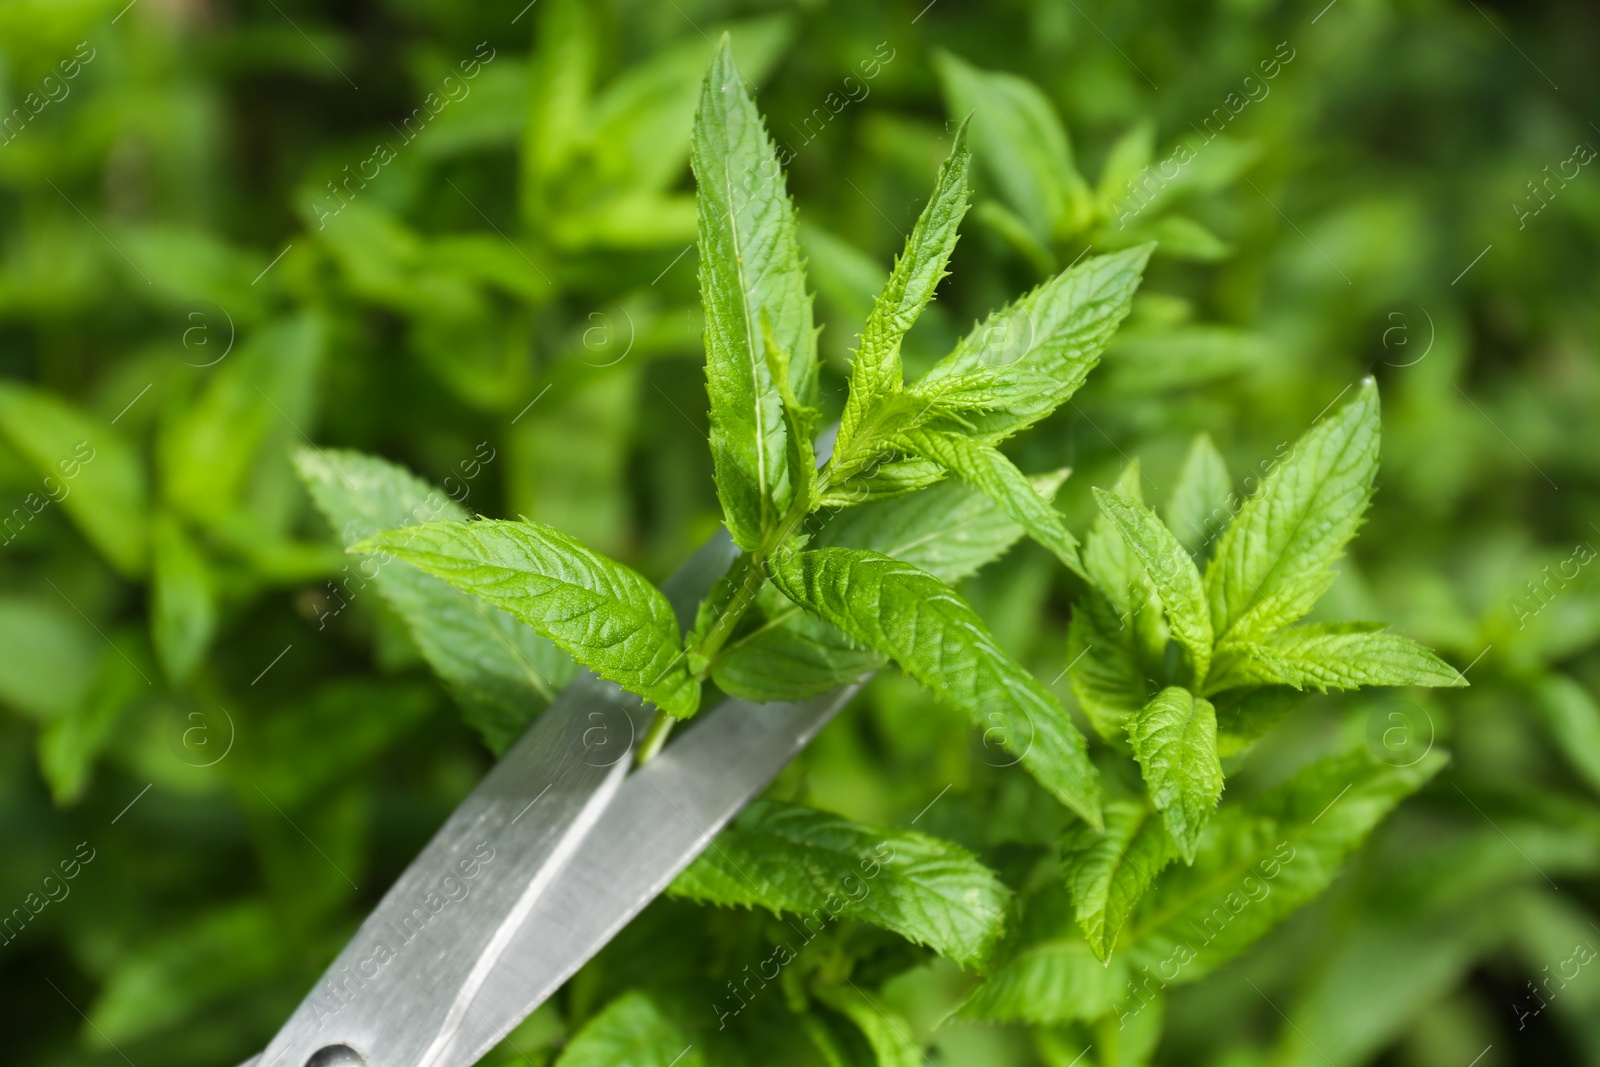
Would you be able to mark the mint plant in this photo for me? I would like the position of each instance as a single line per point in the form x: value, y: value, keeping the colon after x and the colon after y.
x: 845, y: 602
x: 1184, y: 647
x: 507, y: 307
x: 1243, y: 661
x: 1044, y: 205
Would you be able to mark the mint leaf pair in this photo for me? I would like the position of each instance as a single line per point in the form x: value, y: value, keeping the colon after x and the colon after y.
x: 1043, y: 202
x: 1272, y: 562
x: 1012, y: 370
x: 1275, y: 559
x: 1242, y: 655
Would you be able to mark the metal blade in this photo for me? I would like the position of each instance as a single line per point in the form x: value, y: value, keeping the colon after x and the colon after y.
x: 469, y: 889
x: 406, y: 983
x: 665, y: 815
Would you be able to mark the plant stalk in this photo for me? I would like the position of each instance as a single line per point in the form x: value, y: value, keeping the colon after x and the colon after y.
x: 749, y: 585
x: 655, y: 738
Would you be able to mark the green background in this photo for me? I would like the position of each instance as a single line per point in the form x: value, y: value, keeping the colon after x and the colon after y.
x: 174, y: 274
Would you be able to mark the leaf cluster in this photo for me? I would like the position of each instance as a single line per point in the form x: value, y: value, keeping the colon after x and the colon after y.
x: 848, y: 563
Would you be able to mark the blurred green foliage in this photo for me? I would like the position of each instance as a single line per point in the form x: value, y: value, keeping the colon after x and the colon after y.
x: 460, y: 236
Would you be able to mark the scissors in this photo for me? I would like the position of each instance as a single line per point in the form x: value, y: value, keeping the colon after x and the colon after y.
x: 559, y: 846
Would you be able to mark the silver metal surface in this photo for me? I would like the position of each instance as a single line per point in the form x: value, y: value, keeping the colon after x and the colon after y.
x: 422, y: 955
x: 664, y: 815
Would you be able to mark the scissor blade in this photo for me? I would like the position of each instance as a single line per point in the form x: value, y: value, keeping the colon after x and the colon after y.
x: 469, y: 888
x: 410, y: 978
x: 661, y: 818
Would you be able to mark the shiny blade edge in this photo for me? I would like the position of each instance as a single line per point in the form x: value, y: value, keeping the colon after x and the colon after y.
x: 665, y: 814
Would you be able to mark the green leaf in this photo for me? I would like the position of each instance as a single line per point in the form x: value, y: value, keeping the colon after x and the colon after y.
x: 536, y: 1038
x: 1171, y: 570
x: 1573, y: 720
x: 1103, y: 665
x: 634, y: 1031
x: 499, y: 670
x: 1010, y: 388
x: 612, y: 188
x: 1010, y: 228
x: 749, y: 266
x: 951, y: 530
x: 1128, y: 156
x: 583, y: 491
x: 223, y: 457
x: 1183, y: 238
x: 187, y: 263
x: 823, y: 867
x: 799, y: 425
x: 603, y: 614
x: 1244, y: 716
x: 1048, y: 975
x: 835, y: 1039
x: 85, y: 466
x: 1383, y: 980
x: 919, y: 622
x: 309, y: 746
x: 790, y: 656
x: 1338, y: 656
x: 875, y: 368
x: 1108, y: 872
x: 1130, y: 1039
x: 882, y: 479
x: 1174, y: 738
x: 643, y: 120
x: 70, y: 743
x: 1114, y: 568
x: 1116, y: 638
x: 188, y: 965
x: 492, y: 116
x: 886, y: 1031
x: 990, y: 471
x: 1265, y: 858
x: 51, y: 651
x: 561, y: 78
x: 1052, y: 982
x: 1275, y: 559
x: 1198, y: 509
x: 183, y: 609
x: 381, y: 258
x: 1020, y: 139
x: 1055, y: 333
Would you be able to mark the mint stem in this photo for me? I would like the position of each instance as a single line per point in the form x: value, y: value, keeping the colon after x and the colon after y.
x: 655, y: 737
